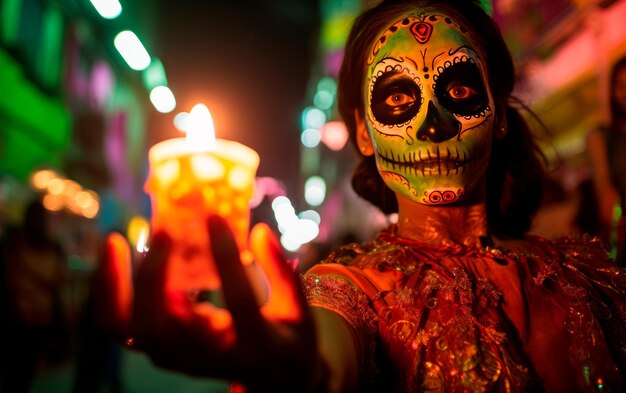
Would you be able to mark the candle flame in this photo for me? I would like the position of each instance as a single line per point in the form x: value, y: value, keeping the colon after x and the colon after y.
x: 200, y: 130
x: 142, y: 240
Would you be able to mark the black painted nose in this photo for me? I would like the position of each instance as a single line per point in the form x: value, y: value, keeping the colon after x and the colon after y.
x: 438, y: 127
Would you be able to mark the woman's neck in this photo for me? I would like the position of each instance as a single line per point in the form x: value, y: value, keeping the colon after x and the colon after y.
x: 443, y: 225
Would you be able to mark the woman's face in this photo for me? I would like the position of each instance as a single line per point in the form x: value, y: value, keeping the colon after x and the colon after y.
x: 430, y: 114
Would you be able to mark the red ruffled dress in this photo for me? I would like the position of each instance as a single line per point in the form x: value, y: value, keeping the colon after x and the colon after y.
x: 465, y: 319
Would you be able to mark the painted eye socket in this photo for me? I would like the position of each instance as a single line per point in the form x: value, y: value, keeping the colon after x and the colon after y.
x: 461, y: 90
x: 399, y: 99
x: 457, y: 91
x: 396, y: 98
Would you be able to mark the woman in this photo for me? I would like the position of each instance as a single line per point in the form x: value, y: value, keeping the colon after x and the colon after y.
x: 454, y: 297
x: 606, y: 147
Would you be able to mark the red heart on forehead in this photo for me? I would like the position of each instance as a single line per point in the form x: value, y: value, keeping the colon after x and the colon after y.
x: 421, y: 31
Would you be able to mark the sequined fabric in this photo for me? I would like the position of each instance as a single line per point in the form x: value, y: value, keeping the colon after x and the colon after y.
x: 337, y: 294
x: 550, y: 316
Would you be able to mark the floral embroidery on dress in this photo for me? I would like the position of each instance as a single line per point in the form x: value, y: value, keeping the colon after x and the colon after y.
x: 442, y: 325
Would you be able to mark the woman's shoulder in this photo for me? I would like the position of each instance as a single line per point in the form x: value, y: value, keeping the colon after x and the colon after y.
x: 564, y: 252
x: 355, y: 263
x: 577, y: 247
x: 565, y: 248
x: 573, y: 264
x: 387, y: 261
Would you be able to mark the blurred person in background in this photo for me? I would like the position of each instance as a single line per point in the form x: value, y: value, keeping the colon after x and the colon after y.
x: 606, y: 148
x: 34, y: 320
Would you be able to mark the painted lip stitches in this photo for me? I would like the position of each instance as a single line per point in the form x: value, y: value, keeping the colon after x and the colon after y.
x: 427, y: 164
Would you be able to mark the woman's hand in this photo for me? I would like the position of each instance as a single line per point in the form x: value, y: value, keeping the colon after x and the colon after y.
x: 268, y: 348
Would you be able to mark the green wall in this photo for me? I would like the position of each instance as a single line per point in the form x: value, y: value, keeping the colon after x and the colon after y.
x: 34, y: 128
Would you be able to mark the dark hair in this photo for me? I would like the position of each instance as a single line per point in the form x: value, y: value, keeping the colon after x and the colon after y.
x: 515, y: 173
x: 617, y: 113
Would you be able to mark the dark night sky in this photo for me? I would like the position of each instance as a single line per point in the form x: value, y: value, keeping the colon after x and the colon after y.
x: 249, y: 62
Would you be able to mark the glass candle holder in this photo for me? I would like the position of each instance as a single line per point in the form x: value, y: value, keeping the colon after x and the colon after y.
x: 185, y: 188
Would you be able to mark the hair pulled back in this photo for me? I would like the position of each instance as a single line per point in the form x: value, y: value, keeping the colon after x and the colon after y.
x: 515, y: 173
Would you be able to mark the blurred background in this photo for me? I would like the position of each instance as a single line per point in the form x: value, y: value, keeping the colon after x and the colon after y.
x: 87, y: 87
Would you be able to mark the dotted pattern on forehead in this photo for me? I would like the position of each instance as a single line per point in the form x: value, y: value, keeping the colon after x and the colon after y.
x: 419, y: 26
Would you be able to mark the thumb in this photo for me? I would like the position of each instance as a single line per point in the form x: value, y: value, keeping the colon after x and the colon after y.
x: 286, y: 300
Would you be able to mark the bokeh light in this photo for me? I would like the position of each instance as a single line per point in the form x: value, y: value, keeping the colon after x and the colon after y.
x: 334, y: 135
x: 60, y: 193
x: 315, y: 190
x: 108, y: 9
x: 163, y: 99
x: 311, y: 137
x: 132, y: 50
x: 313, y: 118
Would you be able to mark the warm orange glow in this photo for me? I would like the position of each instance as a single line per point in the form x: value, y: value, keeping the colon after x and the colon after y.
x: 92, y: 210
x: 61, y: 193
x: 93, y: 206
x: 52, y: 202
x: 72, y: 205
x: 282, y: 285
x: 239, y: 179
x: 116, y: 297
x: 55, y: 186
x: 83, y: 199
x: 168, y: 171
x: 220, y: 319
x: 137, y: 232
x: 70, y: 188
x: 207, y: 167
x: 192, y: 178
x: 40, y: 179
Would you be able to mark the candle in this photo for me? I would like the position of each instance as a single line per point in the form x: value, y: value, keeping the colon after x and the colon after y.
x: 191, y: 178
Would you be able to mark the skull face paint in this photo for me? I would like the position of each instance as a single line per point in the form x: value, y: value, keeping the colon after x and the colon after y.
x: 429, y: 109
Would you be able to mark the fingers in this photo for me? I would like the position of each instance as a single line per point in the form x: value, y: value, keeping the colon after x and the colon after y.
x: 285, y: 299
x: 113, y: 285
x: 238, y: 293
x: 154, y: 301
x: 174, y: 331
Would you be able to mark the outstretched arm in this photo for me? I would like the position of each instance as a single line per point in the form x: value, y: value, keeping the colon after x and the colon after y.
x: 281, y: 346
x: 337, y: 348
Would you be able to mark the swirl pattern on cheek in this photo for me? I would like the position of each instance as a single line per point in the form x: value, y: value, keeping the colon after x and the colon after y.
x: 399, y: 179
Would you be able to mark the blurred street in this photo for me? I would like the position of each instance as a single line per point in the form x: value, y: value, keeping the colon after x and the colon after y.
x: 137, y: 374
